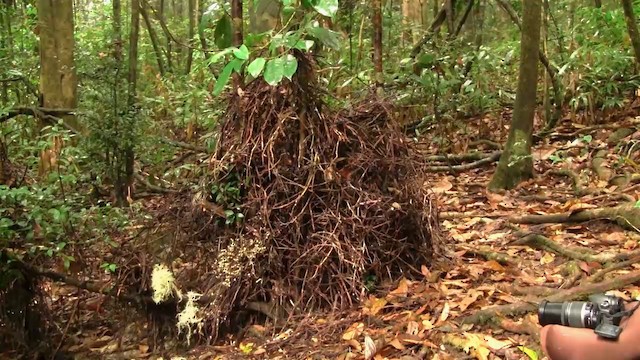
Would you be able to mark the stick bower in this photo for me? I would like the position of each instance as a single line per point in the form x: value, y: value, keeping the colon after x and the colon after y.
x: 303, y: 207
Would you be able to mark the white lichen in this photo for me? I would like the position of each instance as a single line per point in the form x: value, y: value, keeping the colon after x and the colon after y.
x: 162, y: 283
x: 188, y: 318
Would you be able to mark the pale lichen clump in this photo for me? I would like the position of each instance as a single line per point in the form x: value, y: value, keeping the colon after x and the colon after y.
x: 188, y: 318
x: 237, y: 257
x: 162, y: 283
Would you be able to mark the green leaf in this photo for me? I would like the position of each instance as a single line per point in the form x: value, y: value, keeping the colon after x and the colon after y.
x: 637, y: 205
x: 242, y: 53
x: 326, y: 37
x: 112, y: 267
x: 256, y: 66
x: 274, y: 71
x: 290, y: 65
x: 304, y: 45
x: 532, y: 354
x: 217, y: 56
x: 327, y: 8
x: 223, y: 79
x: 224, y: 32
x: 228, y: 213
x: 55, y: 214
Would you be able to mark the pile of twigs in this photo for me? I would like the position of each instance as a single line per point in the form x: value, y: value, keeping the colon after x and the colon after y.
x: 327, y: 202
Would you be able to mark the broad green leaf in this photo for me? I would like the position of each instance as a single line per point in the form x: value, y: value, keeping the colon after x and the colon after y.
x: 326, y: 7
x: 326, y: 37
x: 304, y: 45
x: 290, y: 65
x: 532, y: 354
x: 256, y: 66
x: 224, y: 32
x: 274, y: 71
x: 217, y: 56
x: 288, y: 2
x: 223, y: 79
x: 637, y: 205
x: 241, y: 53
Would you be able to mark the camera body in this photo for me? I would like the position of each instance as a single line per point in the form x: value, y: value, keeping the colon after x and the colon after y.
x: 602, y: 313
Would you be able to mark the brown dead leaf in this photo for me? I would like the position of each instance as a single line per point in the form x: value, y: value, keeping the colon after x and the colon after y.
x: 413, y: 328
x: 397, y: 344
x: 410, y: 339
x: 143, y: 348
x: 353, y: 331
x: 444, y: 314
x: 425, y: 271
x: 355, y: 344
x: 496, y: 344
x: 260, y: 351
x: 472, y: 296
x: 402, y: 289
x: 494, y: 265
x: 441, y: 186
x: 373, y: 305
x: 581, y: 206
x: 547, y: 258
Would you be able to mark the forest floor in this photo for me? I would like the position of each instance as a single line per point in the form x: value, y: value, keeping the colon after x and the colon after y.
x: 507, y: 255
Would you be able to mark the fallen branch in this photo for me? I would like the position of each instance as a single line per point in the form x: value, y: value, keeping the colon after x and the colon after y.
x: 580, y: 291
x: 492, y: 144
x: 626, y: 215
x: 473, y: 165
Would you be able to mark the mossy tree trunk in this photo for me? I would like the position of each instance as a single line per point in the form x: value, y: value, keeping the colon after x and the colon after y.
x: 632, y: 28
x: 516, y: 163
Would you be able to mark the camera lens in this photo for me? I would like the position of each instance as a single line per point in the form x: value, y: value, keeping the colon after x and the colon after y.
x: 577, y: 314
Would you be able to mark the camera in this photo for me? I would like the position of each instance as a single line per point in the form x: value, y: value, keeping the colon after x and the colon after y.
x: 602, y: 313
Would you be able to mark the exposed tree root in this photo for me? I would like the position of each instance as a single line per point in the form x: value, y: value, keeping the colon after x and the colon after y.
x: 538, y: 241
x: 472, y: 165
x: 572, y: 274
x: 451, y: 215
x: 487, y: 314
x: 615, y: 266
x: 598, y: 165
x: 489, y: 254
x: 578, y: 187
x: 488, y: 143
x: 458, y: 158
x: 524, y: 327
x: 627, y: 216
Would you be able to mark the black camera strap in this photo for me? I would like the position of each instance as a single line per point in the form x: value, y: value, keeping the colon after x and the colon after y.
x: 626, y: 313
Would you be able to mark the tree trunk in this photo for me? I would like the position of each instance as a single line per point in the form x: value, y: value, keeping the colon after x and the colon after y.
x: 237, y: 19
x: 516, y: 163
x: 192, y: 33
x: 155, y: 42
x: 58, y: 80
x: 125, y: 187
x: 377, y: 42
x: 632, y: 27
x: 203, y: 39
x: 598, y: 4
